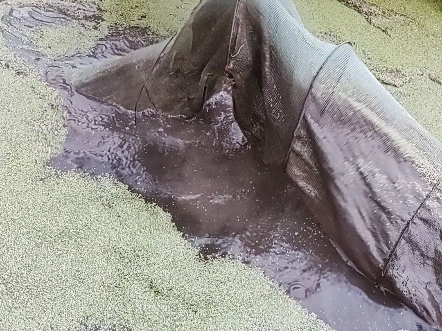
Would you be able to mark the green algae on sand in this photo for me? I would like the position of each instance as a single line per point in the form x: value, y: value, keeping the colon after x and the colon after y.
x: 78, y: 253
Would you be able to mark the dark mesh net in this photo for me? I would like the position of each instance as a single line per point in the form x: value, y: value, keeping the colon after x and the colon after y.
x: 368, y: 171
x: 256, y: 41
x: 370, y: 174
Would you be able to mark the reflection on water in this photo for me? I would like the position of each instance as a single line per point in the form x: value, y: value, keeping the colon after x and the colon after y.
x: 221, y: 196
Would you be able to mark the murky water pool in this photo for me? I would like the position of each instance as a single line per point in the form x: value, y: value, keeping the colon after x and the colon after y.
x: 221, y: 196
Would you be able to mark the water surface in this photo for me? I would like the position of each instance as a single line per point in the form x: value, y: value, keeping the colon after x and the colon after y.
x: 222, y: 197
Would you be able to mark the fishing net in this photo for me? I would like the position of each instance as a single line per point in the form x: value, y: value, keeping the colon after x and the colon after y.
x: 370, y: 174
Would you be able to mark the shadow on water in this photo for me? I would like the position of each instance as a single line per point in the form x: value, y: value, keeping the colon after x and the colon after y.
x: 203, y: 172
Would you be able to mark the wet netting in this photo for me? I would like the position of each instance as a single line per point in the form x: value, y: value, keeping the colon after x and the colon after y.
x: 370, y: 174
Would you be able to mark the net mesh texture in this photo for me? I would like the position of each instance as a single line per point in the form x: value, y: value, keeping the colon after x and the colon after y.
x: 370, y: 174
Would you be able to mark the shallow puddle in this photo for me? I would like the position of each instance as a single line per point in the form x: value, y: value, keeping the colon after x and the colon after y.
x: 221, y: 196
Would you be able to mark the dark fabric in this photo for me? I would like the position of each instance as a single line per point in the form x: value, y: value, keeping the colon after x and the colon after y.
x: 369, y: 172
x: 256, y: 40
x: 374, y: 189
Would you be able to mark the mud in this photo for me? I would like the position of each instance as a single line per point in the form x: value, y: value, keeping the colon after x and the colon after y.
x: 221, y: 196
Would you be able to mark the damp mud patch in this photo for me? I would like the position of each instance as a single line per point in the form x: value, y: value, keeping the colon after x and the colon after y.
x: 190, y: 168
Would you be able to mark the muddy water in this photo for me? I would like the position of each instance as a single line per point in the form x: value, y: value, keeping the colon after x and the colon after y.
x: 221, y: 196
